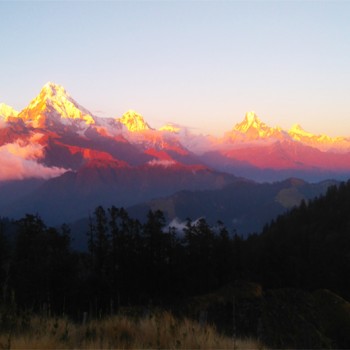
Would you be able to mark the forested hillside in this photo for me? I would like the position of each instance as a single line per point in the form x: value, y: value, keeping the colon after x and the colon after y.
x: 308, y: 247
x: 294, y: 274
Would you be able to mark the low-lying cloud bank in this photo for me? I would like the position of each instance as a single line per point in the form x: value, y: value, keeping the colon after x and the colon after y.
x: 19, y: 161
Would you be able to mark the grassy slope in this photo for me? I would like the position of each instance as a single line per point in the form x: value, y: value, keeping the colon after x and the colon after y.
x: 280, y: 318
x: 158, y: 331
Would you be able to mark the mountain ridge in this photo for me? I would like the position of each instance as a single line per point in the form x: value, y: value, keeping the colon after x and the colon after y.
x: 62, y: 128
x: 82, y: 160
x: 235, y: 203
x: 55, y: 96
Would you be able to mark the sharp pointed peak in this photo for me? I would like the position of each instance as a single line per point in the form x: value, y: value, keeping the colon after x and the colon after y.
x: 50, y: 93
x: 53, y: 89
x: 253, y: 128
x: 251, y: 116
x: 250, y: 120
x: 51, y: 84
x: 55, y: 104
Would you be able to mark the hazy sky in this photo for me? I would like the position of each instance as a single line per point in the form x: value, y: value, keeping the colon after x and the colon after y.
x: 202, y: 64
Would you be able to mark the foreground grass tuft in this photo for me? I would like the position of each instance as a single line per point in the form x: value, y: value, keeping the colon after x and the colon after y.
x: 159, y: 331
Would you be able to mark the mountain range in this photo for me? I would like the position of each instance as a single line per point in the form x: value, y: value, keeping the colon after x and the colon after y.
x: 243, y: 206
x: 59, y: 159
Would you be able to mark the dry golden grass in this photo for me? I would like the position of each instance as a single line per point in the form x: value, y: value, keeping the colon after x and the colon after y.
x: 159, y: 331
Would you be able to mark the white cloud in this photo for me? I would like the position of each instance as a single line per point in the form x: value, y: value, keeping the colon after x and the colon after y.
x: 19, y: 160
x: 178, y: 225
x: 23, y: 150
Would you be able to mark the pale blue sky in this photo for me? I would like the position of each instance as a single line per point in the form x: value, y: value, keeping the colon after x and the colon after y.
x: 197, y: 63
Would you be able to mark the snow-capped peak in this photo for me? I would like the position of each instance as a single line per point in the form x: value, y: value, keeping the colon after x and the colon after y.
x: 54, y: 102
x: 133, y: 121
x: 297, y: 130
x: 52, y: 89
x: 253, y: 126
x: 7, y: 111
x: 299, y: 134
x: 250, y: 120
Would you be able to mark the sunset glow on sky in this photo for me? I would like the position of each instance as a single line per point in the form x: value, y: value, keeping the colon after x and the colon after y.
x: 199, y: 64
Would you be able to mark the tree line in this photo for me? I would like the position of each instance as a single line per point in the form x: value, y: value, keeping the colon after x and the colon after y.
x: 133, y: 263
x: 127, y: 263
